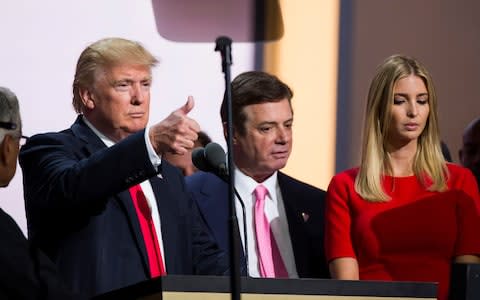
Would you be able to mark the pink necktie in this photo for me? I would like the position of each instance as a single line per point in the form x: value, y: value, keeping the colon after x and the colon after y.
x: 269, y: 258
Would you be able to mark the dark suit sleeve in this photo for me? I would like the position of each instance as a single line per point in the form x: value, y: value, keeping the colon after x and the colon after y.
x: 210, y: 195
x: 66, y: 182
x: 26, y: 273
x: 208, y: 258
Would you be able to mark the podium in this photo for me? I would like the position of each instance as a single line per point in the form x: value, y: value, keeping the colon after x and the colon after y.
x: 217, y: 288
x: 465, y: 283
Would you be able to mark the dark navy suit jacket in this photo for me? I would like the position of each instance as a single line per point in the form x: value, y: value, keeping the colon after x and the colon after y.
x: 25, y: 272
x: 79, y: 211
x: 304, y: 208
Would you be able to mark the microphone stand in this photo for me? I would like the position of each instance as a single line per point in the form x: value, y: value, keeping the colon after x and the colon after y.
x: 245, y: 236
x: 224, y: 45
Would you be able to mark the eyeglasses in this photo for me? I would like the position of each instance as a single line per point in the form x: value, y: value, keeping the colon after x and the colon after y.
x: 8, y: 125
x: 12, y: 126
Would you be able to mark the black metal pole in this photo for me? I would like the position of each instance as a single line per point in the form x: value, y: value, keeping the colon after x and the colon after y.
x: 224, y: 45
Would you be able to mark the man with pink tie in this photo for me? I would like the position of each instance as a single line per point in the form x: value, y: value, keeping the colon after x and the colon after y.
x: 283, y: 234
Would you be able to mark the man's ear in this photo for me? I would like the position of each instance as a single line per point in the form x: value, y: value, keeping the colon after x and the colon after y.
x: 225, y: 129
x: 225, y: 133
x: 3, y: 151
x: 6, y: 149
x: 88, y: 98
x: 234, y: 137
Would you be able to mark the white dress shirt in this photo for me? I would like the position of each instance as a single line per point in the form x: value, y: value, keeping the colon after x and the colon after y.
x: 275, y: 212
x: 146, y: 186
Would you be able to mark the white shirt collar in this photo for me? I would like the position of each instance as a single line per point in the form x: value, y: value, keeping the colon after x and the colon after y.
x: 108, y: 142
x: 247, y: 183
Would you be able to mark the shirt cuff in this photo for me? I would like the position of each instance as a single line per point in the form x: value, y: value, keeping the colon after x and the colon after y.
x: 154, y: 157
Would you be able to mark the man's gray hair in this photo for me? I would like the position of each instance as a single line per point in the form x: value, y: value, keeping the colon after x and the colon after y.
x: 9, y: 112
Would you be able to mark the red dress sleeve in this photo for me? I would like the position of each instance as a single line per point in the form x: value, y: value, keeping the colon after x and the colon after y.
x: 468, y: 214
x: 338, y: 241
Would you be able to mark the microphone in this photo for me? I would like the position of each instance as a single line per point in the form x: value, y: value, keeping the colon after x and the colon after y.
x: 212, y: 159
x: 216, y: 158
x: 198, y: 159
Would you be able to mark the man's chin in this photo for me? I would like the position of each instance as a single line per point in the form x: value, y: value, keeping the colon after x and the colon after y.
x: 280, y: 164
x: 137, y: 127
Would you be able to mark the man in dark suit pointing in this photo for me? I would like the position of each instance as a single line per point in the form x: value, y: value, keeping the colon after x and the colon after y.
x: 100, y: 200
x: 283, y: 216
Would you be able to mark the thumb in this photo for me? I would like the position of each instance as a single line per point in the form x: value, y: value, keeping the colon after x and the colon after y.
x: 188, y: 106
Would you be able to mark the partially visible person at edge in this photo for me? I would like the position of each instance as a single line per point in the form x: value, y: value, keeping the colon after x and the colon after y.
x: 282, y: 230
x: 445, y: 151
x: 404, y: 214
x: 470, y: 152
x: 25, y: 272
x: 184, y: 161
x: 100, y: 200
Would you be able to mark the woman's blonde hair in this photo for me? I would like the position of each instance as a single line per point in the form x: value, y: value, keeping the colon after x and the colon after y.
x: 428, y: 163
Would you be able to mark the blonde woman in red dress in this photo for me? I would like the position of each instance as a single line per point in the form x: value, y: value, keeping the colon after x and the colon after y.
x: 404, y: 214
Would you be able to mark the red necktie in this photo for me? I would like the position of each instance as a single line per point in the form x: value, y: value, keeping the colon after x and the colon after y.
x: 144, y: 215
x: 269, y: 257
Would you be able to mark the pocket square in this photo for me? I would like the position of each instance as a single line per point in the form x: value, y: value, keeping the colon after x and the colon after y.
x: 305, y: 217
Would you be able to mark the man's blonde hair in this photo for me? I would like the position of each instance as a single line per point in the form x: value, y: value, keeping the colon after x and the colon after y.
x: 104, y: 54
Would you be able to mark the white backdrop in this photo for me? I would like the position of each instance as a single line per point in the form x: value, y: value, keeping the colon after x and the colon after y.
x: 41, y: 42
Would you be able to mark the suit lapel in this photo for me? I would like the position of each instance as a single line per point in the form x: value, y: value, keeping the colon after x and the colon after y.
x: 170, y: 220
x: 93, y: 144
x: 126, y: 202
x: 296, y: 224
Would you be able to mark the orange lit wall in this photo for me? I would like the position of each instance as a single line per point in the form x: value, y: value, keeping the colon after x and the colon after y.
x: 306, y: 59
